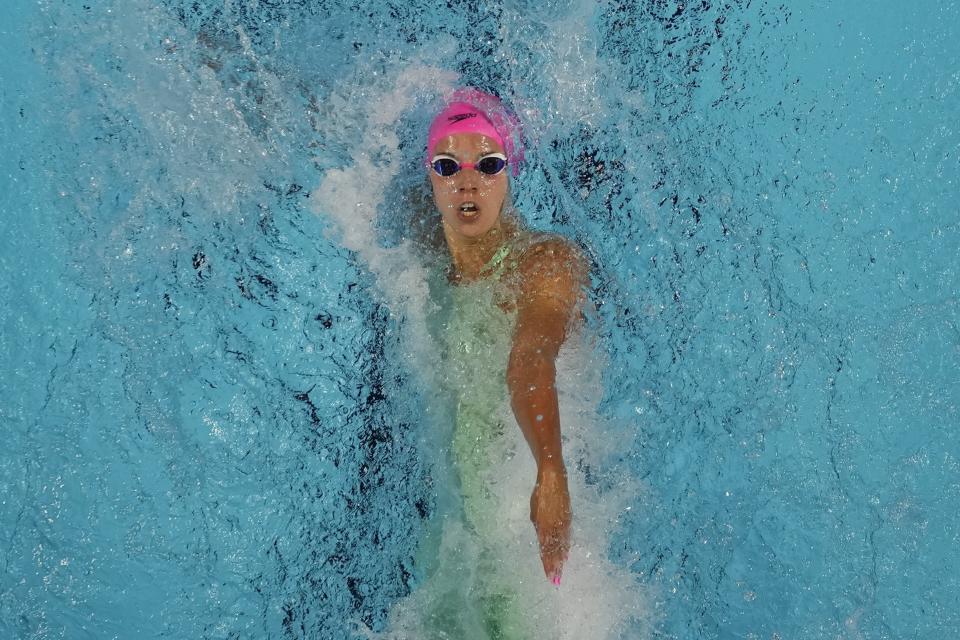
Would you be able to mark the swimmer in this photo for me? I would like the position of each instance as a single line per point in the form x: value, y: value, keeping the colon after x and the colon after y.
x: 517, y: 293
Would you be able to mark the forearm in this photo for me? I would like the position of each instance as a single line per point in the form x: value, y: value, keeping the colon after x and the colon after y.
x: 552, y: 276
x: 531, y: 378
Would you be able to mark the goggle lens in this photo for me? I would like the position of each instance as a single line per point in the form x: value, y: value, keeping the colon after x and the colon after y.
x: 445, y: 167
x: 489, y: 165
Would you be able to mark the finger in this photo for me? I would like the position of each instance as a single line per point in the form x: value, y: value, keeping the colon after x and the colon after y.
x: 554, y: 548
x: 553, y: 565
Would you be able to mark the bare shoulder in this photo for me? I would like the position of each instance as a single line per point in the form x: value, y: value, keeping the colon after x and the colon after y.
x: 548, y: 254
x: 552, y: 267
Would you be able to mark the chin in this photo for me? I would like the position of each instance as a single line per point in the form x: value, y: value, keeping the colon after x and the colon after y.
x: 472, y: 229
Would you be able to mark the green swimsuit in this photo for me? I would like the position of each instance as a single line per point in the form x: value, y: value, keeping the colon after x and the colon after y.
x: 476, y: 338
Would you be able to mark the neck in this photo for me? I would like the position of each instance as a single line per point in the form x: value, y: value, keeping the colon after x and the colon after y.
x: 471, y: 255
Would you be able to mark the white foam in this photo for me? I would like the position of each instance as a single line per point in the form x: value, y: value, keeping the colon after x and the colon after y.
x: 353, y: 196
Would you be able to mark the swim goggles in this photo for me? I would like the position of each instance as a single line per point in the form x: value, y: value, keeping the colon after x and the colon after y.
x: 490, y: 164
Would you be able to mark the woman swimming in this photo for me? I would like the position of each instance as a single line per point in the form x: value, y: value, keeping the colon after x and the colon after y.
x: 514, y: 295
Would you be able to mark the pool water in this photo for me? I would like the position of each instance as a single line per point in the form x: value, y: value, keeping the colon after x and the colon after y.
x: 217, y: 384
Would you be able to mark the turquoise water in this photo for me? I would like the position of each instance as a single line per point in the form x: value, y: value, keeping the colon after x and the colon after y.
x: 213, y: 393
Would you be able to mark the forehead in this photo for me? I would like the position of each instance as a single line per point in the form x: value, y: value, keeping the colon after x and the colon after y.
x: 464, y: 145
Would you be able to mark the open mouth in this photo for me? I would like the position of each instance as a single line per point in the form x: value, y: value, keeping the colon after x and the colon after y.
x: 468, y: 210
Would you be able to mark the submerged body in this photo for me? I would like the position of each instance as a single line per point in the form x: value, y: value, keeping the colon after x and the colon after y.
x: 475, y: 340
x: 478, y: 343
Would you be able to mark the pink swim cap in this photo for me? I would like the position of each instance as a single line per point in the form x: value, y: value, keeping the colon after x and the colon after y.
x: 473, y: 111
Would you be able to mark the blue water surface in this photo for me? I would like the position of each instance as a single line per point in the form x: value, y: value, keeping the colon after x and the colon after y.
x: 212, y: 429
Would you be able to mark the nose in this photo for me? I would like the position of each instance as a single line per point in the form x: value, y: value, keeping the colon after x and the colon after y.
x: 468, y: 180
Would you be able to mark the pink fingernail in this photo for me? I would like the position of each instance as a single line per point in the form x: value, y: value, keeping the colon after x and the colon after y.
x: 556, y: 580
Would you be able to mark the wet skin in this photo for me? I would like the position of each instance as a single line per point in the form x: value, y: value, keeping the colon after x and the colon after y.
x: 548, y: 290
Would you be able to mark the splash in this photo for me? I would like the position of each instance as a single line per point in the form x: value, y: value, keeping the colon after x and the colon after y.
x: 353, y: 196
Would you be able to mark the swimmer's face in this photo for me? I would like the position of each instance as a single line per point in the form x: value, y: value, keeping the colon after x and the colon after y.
x: 469, y: 201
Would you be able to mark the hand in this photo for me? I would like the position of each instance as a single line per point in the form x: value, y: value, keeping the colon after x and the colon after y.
x: 550, y: 513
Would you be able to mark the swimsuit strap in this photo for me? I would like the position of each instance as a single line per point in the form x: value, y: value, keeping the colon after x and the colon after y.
x: 519, y: 245
x: 495, y: 265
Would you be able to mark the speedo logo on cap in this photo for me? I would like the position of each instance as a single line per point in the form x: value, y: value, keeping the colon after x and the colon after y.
x: 461, y: 116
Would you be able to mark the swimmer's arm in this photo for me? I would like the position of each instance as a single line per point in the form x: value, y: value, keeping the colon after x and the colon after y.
x: 551, y: 276
x: 551, y: 280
